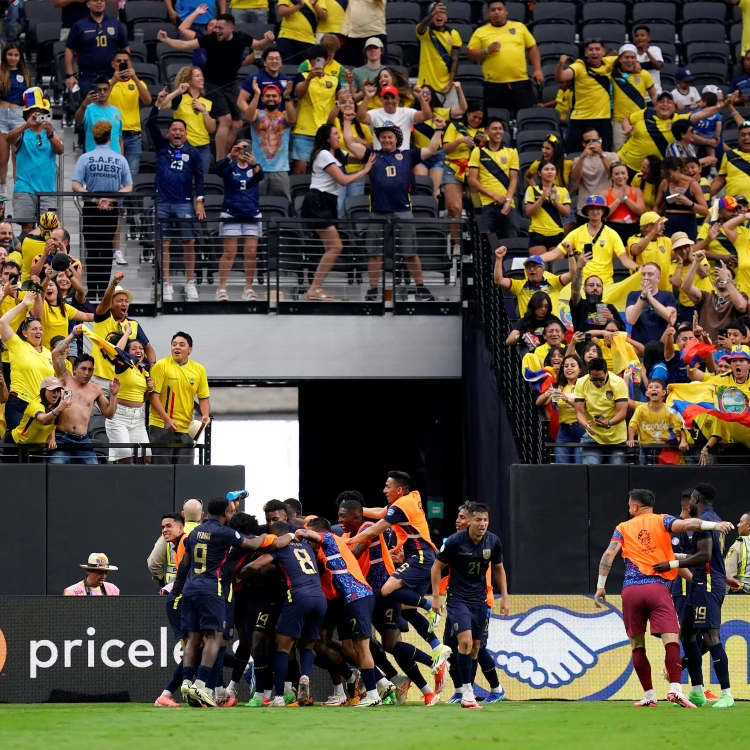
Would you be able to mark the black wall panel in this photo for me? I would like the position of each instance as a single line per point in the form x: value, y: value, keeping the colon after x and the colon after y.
x: 205, y: 482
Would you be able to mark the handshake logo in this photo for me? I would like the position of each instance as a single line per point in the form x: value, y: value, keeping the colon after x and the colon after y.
x: 550, y: 646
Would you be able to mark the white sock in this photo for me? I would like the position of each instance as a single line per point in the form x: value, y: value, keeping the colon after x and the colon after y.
x: 287, y: 687
x: 726, y: 691
x: 199, y: 684
x: 675, y: 687
x: 383, y: 683
x: 425, y: 690
x: 338, y: 690
x: 259, y: 696
x: 166, y: 694
x: 351, y: 679
x: 649, y: 695
x: 497, y: 689
x: 267, y: 694
x: 698, y: 688
x: 231, y: 685
x: 465, y: 688
x: 373, y: 694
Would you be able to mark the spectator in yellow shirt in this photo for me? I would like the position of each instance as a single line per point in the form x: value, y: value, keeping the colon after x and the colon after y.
x: 299, y: 26
x: 653, y: 423
x: 249, y: 11
x: 439, y: 48
x: 501, y: 47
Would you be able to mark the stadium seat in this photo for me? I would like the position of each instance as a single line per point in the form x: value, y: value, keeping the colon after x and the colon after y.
x: 147, y: 163
x: 735, y: 35
x: 604, y: 13
x: 465, y: 31
x: 143, y: 183
x: 149, y: 30
x: 47, y: 34
x: 531, y: 140
x: 550, y: 52
x: 403, y: 35
x: 424, y: 205
x: 547, y: 32
x: 662, y: 32
x: 469, y: 72
x: 255, y: 30
x: 299, y: 186
x: 708, y: 32
x: 539, y: 117
x: 458, y: 13
x: 668, y: 51
x: 554, y: 13
x: 41, y: 11
x: 409, y: 13
x: 171, y: 61
x: 395, y: 54
x: 703, y: 12
x: 516, y: 11
x: 138, y: 52
x: 473, y: 90
x: 611, y: 34
x: 707, y: 52
x: 274, y: 207
x: 550, y: 92
x: 422, y: 185
x: 709, y: 73
x: 147, y: 72
x: 651, y: 12
x: 144, y: 11
x: 245, y: 71
x: 214, y: 184
x: 500, y: 112
x: 357, y: 207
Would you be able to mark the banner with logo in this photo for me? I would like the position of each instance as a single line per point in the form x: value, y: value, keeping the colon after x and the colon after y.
x: 549, y: 647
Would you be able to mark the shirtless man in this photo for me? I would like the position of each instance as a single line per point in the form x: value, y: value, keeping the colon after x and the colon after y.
x: 72, y: 426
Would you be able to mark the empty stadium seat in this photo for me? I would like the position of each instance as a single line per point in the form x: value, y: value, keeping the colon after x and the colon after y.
x: 604, y: 13
x: 703, y: 12
x: 408, y: 13
x: 554, y: 12
x: 539, y: 117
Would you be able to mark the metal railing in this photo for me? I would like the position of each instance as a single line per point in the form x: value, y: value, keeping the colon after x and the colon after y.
x: 38, y: 452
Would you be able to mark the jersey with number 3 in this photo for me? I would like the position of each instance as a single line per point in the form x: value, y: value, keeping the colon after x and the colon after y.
x: 297, y: 563
x: 208, y: 546
x: 469, y: 562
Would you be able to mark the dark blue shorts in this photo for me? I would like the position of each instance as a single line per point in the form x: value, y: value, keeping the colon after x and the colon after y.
x: 679, y: 601
x: 334, y: 613
x: 262, y: 616
x: 241, y: 604
x: 302, y: 618
x: 355, y: 622
x: 474, y: 617
x: 203, y: 612
x: 415, y: 572
x: 174, y: 615
x: 703, y: 610
x: 386, y: 614
x: 229, y: 623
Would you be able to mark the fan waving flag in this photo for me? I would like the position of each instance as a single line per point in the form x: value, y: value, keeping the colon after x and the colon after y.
x: 695, y: 352
x: 728, y: 402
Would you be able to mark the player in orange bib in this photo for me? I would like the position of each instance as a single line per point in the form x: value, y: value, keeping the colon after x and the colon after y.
x: 645, y: 540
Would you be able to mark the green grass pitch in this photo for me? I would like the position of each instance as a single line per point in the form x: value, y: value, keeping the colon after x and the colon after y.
x: 509, y: 725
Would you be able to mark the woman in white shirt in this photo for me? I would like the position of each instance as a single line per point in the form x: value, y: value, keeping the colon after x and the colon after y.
x: 320, y: 204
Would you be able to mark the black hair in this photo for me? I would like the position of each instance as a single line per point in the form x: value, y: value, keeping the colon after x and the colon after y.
x: 490, y: 120
x: 267, y: 52
x: 654, y: 168
x: 83, y: 358
x: 319, y: 523
x: 706, y: 492
x: 244, y: 523
x: 672, y: 163
x: 680, y: 128
x: 548, y: 358
x: 553, y: 322
x: 279, y: 528
x: 218, y: 506
x: 102, y: 79
x: 710, y: 98
x: 691, y: 159
x: 583, y: 347
x: 653, y: 354
x: 662, y: 383
x: 474, y: 105
x: 401, y: 478
x: 738, y: 325
x: 294, y: 504
x: 529, y: 321
x: 351, y: 504
x: 175, y: 517
x: 184, y: 125
x: 273, y: 505
x: 643, y: 497
x: 599, y: 364
x: 54, y: 341
x: 542, y: 164
x: 642, y: 27
x: 561, y: 379
x: 186, y: 336
x: 492, y: 2
x: 122, y: 51
x: 558, y: 156
x: 228, y: 17
x: 321, y: 143
x: 475, y: 508
x: 11, y: 262
x: 686, y: 495
x: 348, y: 496
x: 465, y: 506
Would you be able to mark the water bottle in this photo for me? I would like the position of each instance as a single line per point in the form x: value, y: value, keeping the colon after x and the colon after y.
x: 236, y: 495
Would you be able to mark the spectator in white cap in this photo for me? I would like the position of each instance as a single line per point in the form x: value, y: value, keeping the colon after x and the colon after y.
x: 95, y: 583
x: 648, y: 55
x: 633, y: 88
x: 372, y: 67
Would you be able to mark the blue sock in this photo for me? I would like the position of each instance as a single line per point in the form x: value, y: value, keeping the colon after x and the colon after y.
x: 487, y: 663
x: 228, y: 658
x: 474, y: 665
x: 406, y: 654
x: 216, y: 671
x: 693, y: 662
x: 204, y: 674
x: 721, y: 664
x: 306, y: 659
x: 188, y: 673
x: 368, y: 676
x: 419, y: 622
x: 261, y: 672
x: 406, y: 596
x: 280, y: 666
x: 175, y: 680
x: 464, y: 667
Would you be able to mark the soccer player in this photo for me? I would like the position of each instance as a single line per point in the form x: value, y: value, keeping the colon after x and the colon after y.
x: 203, y: 602
x: 301, y: 615
x: 702, y: 613
x: 470, y: 553
x: 645, y: 540
x: 409, y: 584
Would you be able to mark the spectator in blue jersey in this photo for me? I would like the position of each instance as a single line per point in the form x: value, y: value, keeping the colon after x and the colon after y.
x: 95, y: 107
x: 241, y: 177
x: 178, y: 166
x: 101, y: 170
x: 37, y: 146
x: 741, y: 82
x: 187, y: 32
x: 270, y: 128
x: 14, y: 80
x: 95, y: 40
x: 201, y: 13
x: 269, y: 75
x: 390, y: 183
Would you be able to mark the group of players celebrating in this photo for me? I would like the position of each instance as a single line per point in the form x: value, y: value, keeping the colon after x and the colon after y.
x: 301, y: 592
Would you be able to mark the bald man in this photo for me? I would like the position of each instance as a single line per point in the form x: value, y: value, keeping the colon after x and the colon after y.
x: 192, y: 512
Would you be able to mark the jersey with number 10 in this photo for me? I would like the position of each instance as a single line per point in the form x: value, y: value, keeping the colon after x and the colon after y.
x: 208, y: 546
x: 297, y: 563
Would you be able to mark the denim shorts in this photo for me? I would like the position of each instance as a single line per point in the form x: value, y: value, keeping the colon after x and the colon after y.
x: 436, y: 162
x: 449, y: 177
x: 10, y: 118
x: 171, y: 215
x: 302, y: 146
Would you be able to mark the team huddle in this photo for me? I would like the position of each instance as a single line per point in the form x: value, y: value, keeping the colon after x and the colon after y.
x: 299, y: 591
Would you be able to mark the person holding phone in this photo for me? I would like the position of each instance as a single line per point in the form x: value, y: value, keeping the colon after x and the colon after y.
x: 650, y: 310
x: 651, y: 246
x: 590, y: 312
x: 95, y: 108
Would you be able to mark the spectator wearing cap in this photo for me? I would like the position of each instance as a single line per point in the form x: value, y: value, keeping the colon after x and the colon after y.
x: 685, y: 96
x: 721, y: 247
x: 390, y: 180
x: 372, y: 67
x: 439, y: 48
x: 299, y: 26
x: 100, y: 215
x: 94, y: 41
x: 36, y: 146
x: 363, y: 20
x: 652, y: 129
x: 682, y: 257
x: 112, y: 316
x: 316, y: 88
x: 590, y: 170
x: 633, y: 88
x: 178, y: 168
x: 600, y: 243
x: 493, y: 173
x: 95, y: 107
x: 178, y: 381
x: 391, y: 114
x: 95, y: 583
x: 270, y: 127
x: 502, y: 46
x: 537, y: 279
x: 651, y: 246
x: 734, y: 170
x: 591, y: 80
x: 648, y: 55
x: 588, y: 311
x: 680, y: 198
x: 650, y: 310
x: 269, y: 75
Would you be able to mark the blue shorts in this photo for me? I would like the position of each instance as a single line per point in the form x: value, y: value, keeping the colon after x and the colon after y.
x: 355, y: 622
x: 415, y: 572
x: 449, y: 177
x: 703, y: 610
x: 302, y: 146
x: 386, y: 614
x: 679, y: 601
x: 174, y: 615
x: 263, y: 617
x: 474, y: 617
x: 203, y: 612
x: 172, y: 220
x: 302, y: 618
x: 436, y: 162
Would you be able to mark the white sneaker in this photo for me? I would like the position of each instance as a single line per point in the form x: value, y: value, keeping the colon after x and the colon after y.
x: 249, y: 295
x: 3, y: 189
x: 469, y: 701
x: 191, y: 292
x: 368, y: 702
x: 277, y: 702
x: 336, y: 700
x: 120, y: 258
x: 221, y: 295
x: 167, y: 292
